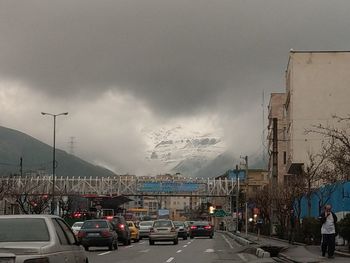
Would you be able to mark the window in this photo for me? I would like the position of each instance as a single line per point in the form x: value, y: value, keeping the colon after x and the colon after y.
x: 67, y: 231
x: 60, y: 233
x: 17, y: 230
x: 284, y: 157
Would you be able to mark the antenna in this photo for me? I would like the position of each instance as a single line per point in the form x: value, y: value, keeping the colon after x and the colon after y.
x: 71, y: 145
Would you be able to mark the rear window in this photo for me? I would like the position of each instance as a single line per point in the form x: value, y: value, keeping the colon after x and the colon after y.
x: 23, y: 230
x: 179, y: 224
x: 201, y: 223
x: 94, y: 224
x: 162, y: 224
x: 78, y: 224
x: 146, y: 223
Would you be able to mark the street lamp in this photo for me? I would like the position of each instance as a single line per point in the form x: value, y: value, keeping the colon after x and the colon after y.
x: 54, y: 157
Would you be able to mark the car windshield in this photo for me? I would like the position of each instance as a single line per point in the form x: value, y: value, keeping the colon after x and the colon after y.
x: 179, y: 223
x: 78, y: 224
x: 94, y: 224
x: 130, y: 224
x: 146, y: 223
x: 17, y: 230
x: 162, y: 224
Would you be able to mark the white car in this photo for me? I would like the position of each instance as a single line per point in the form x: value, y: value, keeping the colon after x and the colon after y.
x: 76, y: 227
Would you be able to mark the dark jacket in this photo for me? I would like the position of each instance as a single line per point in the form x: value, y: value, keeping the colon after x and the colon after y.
x: 323, y: 218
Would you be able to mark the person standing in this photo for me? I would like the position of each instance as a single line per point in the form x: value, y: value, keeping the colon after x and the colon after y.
x: 329, y: 221
x: 292, y: 222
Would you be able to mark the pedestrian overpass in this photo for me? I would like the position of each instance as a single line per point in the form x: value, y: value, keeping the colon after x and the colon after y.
x: 122, y: 186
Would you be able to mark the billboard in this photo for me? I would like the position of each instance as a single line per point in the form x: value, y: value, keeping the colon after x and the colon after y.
x: 168, y: 187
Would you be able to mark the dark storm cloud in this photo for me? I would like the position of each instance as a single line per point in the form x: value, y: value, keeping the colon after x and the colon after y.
x: 178, y: 56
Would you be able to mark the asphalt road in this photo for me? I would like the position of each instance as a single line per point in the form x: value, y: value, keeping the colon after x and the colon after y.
x: 201, y: 250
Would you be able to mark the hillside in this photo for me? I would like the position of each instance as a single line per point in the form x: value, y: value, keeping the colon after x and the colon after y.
x: 37, y: 156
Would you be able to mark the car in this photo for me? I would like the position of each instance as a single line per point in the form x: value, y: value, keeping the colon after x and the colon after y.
x: 121, y: 226
x: 98, y: 233
x: 76, y: 227
x: 144, y: 227
x: 39, y: 238
x: 134, y: 231
x: 181, y: 229
x: 163, y: 230
x: 201, y: 229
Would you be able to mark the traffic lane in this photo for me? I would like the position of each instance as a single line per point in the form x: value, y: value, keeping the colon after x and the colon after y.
x: 136, y: 253
x: 219, y: 249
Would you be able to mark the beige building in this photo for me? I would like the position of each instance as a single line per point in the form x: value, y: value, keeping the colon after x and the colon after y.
x: 317, y: 88
x: 278, y: 143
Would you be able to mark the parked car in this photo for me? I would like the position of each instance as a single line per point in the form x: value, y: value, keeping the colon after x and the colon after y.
x: 121, y: 227
x: 39, y: 238
x: 181, y: 229
x: 76, y: 227
x: 163, y: 230
x: 98, y: 233
x: 134, y: 231
x: 144, y: 227
x: 201, y: 229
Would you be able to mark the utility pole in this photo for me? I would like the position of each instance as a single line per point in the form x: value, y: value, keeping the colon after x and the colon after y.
x: 237, y: 197
x: 274, y: 177
x: 21, y: 166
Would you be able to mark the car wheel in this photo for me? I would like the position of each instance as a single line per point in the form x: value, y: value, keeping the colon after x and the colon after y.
x: 86, y: 248
x: 176, y: 241
x: 191, y: 237
x: 151, y: 242
x: 185, y: 238
x: 140, y: 238
x: 211, y: 237
x: 125, y: 242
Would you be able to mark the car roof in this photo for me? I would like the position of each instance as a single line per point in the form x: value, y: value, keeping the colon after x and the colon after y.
x: 28, y: 216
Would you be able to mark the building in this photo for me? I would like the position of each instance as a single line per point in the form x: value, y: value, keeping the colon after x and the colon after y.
x: 317, y: 88
x: 277, y: 137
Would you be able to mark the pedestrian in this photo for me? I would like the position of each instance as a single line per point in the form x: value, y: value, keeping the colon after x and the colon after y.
x: 292, y: 221
x: 329, y: 221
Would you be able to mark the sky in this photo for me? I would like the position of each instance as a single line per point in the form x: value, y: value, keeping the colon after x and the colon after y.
x: 121, y: 66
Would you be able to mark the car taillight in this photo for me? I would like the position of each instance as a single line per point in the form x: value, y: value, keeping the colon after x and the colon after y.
x: 207, y: 227
x: 122, y: 226
x: 106, y: 234
x: 193, y: 227
x: 109, y: 217
x: 37, y: 260
x: 81, y: 234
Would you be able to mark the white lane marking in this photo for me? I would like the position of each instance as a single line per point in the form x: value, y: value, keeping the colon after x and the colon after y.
x: 228, y: 242
x: 189, y: 242
x: 179, y: 251
x: 129, y: 246
x: 209, y: 250
x: 185, y: 245
x: 170, y: 259
x: 104, y: 253
x: 242, y: 257
x: 144, y: 251
x: 143, y: 242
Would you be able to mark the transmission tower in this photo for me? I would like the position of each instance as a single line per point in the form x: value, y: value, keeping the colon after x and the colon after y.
x: 71, y: 144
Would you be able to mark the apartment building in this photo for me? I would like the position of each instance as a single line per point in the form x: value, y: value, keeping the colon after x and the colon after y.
x: 317, y: 88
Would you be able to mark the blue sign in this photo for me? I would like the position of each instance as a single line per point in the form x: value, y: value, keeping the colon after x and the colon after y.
x: 232, y: 175
x: 168, y: 187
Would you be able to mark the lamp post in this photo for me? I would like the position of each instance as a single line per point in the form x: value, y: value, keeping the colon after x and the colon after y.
x: 53, y: 157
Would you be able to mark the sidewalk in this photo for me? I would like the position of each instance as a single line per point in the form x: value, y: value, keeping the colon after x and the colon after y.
x: 296, y: 252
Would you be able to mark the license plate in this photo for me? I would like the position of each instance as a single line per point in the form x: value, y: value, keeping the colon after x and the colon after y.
x: 93, y: 234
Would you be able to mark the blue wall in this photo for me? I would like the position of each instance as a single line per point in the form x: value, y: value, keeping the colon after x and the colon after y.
x: 339, y: 199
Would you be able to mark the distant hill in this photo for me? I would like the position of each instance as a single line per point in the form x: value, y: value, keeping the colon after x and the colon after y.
x: 37, y: 156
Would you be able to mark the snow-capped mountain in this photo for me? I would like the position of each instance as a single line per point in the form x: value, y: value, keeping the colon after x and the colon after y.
x: 181, y: 150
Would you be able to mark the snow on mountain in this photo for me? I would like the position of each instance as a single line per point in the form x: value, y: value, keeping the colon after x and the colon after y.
x: 181, y: 150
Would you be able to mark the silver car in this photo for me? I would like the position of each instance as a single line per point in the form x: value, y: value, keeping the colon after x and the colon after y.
x: 144, y: 227
x: 38, y: 239
x: 163, y: 230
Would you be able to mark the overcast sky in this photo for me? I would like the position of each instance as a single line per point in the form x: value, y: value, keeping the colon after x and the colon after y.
x: 120, y: 66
